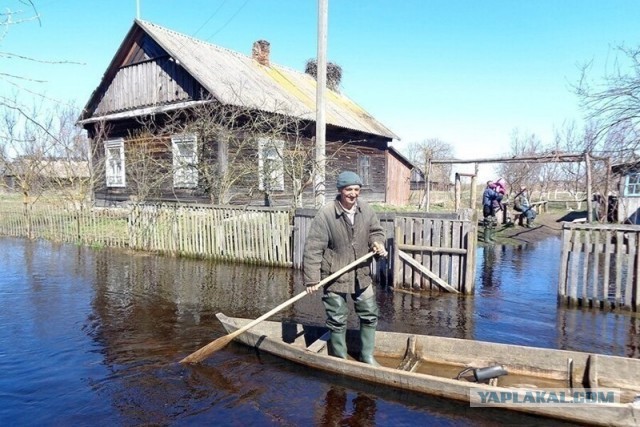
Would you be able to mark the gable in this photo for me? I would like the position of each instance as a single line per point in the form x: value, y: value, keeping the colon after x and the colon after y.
x: 141, y: 75
x: 144, y: 49
x: 144, y: 75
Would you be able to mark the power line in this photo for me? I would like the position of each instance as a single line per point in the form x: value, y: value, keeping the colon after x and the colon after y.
x: 210, y: 17
x: 230, y: 19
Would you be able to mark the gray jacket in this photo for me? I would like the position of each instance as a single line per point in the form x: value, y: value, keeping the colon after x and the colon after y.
x: 333, y: 242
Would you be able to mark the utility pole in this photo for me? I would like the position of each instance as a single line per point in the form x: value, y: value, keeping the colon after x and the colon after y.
x: 321, y: 83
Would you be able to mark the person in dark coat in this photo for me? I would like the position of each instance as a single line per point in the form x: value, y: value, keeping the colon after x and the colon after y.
x: 341, y: 232
x: 491, y: 200
x: 523, y: 205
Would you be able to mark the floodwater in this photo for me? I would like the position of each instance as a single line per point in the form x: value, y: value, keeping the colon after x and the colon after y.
x: 94, y: 336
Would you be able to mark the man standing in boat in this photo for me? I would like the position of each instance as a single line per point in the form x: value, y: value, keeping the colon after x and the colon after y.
x: 341, y: 232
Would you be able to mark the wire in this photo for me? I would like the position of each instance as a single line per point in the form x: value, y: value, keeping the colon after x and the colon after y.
x: 210, y: 17
x: 230, y: 19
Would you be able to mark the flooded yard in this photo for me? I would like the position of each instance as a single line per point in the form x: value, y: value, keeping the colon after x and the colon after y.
x: 93, y: 337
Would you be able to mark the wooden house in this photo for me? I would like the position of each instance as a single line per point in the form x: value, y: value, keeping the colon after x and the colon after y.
x: 624, y: 207
x: 152, y: 90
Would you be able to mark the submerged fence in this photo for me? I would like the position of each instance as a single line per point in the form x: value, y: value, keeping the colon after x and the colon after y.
x: 254, y: 235
x: 102, y: 227
x: 600, y: 266
x: 443, y: 244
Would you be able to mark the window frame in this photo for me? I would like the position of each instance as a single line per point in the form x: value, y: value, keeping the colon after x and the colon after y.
x: 364, y: 169
x: 185, y: 168
x: 276, y: 150
x: 632, y: 189
x: 115, y: 178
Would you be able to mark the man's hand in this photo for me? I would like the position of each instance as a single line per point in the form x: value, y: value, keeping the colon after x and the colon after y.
x: 312, y: 288
x: 378, y: 249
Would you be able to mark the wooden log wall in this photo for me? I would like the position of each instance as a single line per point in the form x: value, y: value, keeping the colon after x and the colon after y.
x: 600, y: 266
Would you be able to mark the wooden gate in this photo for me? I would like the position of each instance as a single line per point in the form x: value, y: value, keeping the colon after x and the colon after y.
x: 431, y: 253
x: 445, y: 246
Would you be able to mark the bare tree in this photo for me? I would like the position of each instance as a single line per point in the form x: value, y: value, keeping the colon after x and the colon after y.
x: 522, y: 174
x: 421, y: 154
x: 612, y: 104
x: 244, y: 152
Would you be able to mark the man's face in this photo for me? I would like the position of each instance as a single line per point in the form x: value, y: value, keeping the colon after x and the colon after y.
x: 349, y: 195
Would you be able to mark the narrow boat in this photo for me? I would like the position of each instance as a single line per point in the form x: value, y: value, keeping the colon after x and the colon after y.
x: 575, y: 386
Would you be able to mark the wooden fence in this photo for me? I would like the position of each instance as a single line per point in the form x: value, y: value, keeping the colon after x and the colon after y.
x: 434, y: 253
x: 254, y: 235
x: 600, y: 266
x: 103, y: 227
x: 446, y: 247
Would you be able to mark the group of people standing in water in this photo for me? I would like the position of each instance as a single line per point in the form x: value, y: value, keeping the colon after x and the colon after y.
x: 492, y: 203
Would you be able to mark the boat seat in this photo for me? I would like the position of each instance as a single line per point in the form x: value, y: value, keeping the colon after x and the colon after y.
x: 320, y: 344
x: 410, y: 360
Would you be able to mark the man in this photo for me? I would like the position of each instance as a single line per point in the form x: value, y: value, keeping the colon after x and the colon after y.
x: 522, y: 204
x: 341, y: 232
x: 490, y: 199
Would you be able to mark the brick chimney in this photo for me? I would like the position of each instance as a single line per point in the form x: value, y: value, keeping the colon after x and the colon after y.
x: 260, y: 52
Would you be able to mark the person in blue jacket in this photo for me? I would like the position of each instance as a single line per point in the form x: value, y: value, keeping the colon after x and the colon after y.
x: 490, y: 199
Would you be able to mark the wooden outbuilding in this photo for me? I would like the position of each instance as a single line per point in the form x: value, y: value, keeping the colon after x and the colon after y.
x: 157, y: 81
x: 625, y: 206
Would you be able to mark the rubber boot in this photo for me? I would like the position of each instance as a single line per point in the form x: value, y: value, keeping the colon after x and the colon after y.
x: 367, y: 311
x: 337, y: 313
x: 368, y: 339
x: 338, y: 344
x: 486, y: 234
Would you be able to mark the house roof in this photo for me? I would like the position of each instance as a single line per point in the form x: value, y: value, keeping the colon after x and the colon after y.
x: 626, y: 167
x: 237, y: 79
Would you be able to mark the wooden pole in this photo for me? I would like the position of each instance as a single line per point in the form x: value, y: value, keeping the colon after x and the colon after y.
x: 606, y: 189
x: 207, y: 350
x: 428, y: 186
x: 321, y: 83
x: 457, y: 193
x: 587, y: 163
x: 474, y: 188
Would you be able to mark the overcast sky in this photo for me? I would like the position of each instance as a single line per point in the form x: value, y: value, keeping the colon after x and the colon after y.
x: 466, y: 72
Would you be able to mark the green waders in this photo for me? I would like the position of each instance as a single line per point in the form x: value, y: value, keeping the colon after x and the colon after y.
x: 337, y: 314
x: 488, y: 230
x: 367, y: 311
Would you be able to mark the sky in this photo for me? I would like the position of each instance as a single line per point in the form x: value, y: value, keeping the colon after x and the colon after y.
x: 469, y: 73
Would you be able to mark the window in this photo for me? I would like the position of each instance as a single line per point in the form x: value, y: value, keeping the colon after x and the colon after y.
x: 270, y: 164
x: 364, y: 169
x: 114, y: 162
x: 185, y: 161
x: 632, y: 185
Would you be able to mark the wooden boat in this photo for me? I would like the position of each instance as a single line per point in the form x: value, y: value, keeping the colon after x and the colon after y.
x: 535, y: 377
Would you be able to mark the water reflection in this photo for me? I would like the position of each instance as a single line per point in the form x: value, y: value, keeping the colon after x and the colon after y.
x: 338, y: 411
x: 516, y: 303
x: 96, y: 335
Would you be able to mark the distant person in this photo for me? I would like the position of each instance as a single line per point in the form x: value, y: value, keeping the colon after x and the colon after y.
x: 490, y: 204
x: 341, y: 232
x: 522, y: 204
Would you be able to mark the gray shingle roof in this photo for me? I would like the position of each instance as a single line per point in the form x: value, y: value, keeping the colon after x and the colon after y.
x: 237, y: 79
